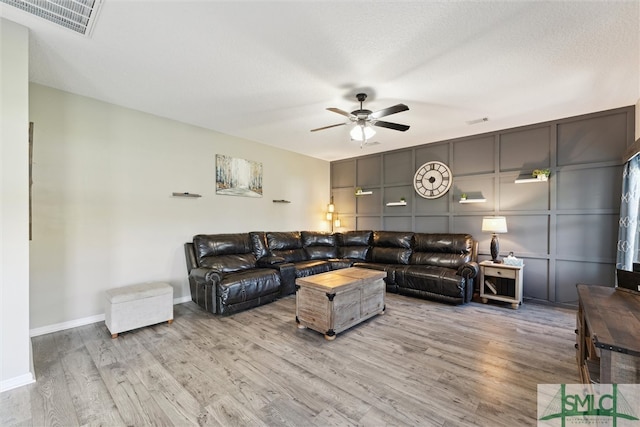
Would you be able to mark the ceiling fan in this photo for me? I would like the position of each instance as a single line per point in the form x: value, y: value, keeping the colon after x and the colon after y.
x: 364, y: 119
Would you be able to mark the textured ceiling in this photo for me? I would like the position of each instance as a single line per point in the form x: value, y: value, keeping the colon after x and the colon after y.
x: 266, y: 71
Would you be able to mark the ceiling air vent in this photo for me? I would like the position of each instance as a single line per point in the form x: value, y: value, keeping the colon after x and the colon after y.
x: 76, y: 15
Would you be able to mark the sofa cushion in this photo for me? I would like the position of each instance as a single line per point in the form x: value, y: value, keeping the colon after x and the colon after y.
x: 433, y: 280
x: 311, y: 267
x: 392, y: 239
x: 354, y: 244
x: 321, y: 252
x: 221, y: 244
x: 390, y: 255
x: 319, y: 245
x: 318, y: 238
x: 259, y: 242
x: 287, y: 245
x: 278, y: 241
x: 436, y: 242
x: 442, y: 250
x: 355, y: 238
x: 247, y: 285
x: 224, y: 252
x: 337, y: 264
x: 359, y: 253
x: 230, y: 263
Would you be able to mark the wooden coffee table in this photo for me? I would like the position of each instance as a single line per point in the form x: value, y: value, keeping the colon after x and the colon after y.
x: 337, y: 300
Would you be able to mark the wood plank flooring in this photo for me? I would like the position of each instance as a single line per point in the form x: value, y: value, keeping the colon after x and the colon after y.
x: 421, y: 363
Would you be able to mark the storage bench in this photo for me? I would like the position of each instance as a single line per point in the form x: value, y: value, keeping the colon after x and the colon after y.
x: 135, y: 306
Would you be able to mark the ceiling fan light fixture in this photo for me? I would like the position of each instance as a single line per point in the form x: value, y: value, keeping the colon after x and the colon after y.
x: 364, y: 120
x: 362, y: 132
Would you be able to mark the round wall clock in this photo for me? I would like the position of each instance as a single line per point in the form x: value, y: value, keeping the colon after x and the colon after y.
x: 432, y: 180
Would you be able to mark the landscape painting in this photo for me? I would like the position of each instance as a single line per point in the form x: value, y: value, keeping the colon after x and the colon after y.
x: 238, y: 177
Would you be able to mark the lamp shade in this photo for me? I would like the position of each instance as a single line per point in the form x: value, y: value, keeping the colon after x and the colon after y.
x: 362, y: 132
x: 494, y: 224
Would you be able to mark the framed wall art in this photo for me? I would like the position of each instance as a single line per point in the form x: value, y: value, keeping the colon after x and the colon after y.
x: 238, y: 177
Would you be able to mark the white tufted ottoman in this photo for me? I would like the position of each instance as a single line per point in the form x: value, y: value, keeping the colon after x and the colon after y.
x: 135, y: 306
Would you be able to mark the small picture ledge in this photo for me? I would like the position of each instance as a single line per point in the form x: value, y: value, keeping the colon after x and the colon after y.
x: 400, y: 203
x: 364, y: 193
x: 185, y: 195
x: 473, y: 200
x: 281, y: 201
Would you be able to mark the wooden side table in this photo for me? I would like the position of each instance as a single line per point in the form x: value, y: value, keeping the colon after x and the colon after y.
x: 501, y: 282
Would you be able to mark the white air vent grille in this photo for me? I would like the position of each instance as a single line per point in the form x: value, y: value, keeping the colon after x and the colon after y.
x: 76, y: 15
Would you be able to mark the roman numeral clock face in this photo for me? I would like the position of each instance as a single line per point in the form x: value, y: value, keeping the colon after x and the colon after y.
x: 432, y: 180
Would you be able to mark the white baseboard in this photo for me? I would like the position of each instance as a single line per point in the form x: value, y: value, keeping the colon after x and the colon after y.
x: 66, y: 325
x: 84, y: 321
x: 181, y: 300
x: 16, y: 382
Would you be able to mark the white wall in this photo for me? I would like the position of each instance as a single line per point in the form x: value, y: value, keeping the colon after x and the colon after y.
x: 103, y: 215
x: 15, y: 366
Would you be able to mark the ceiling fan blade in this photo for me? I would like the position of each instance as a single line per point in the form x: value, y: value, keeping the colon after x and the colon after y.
x: 339, y: 111
x: 388, y: 111
x: 327, y: 127
x: 394, y: 126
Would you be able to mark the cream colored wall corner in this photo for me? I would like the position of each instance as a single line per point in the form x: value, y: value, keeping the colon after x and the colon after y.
x: 103, y: 214
x: 15, y: 358
x: 637, y: 120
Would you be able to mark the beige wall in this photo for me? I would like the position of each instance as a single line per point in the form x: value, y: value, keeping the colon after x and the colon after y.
x: 15, y: 366
x: 103, y: 213
x: 637, y: 120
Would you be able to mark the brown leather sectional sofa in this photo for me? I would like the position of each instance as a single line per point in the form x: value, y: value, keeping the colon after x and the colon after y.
x: 233, y: 272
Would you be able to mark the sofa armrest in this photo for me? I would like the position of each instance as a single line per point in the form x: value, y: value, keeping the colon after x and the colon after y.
x: 269, y: 261
x: 204, y: 275
x: 203, y: 284
x: 287, y: 272
x: 469, y: 270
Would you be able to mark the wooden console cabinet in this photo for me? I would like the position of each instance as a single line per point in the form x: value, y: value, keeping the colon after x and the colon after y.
x: 608, y: 335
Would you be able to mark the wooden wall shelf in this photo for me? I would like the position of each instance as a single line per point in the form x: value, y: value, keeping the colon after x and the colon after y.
x: 473, y: 201
x: 186, y: 195
x: 530, y: 180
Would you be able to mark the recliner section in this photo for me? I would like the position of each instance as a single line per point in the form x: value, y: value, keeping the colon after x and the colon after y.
x: 233, y: 272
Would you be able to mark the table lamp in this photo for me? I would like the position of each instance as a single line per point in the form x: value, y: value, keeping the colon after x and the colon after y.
x: 494, y: 225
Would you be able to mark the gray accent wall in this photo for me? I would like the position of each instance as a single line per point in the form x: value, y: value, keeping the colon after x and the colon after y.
x: 565, y: 229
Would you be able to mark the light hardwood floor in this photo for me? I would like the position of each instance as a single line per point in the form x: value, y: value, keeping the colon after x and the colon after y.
x: 421, y: 363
